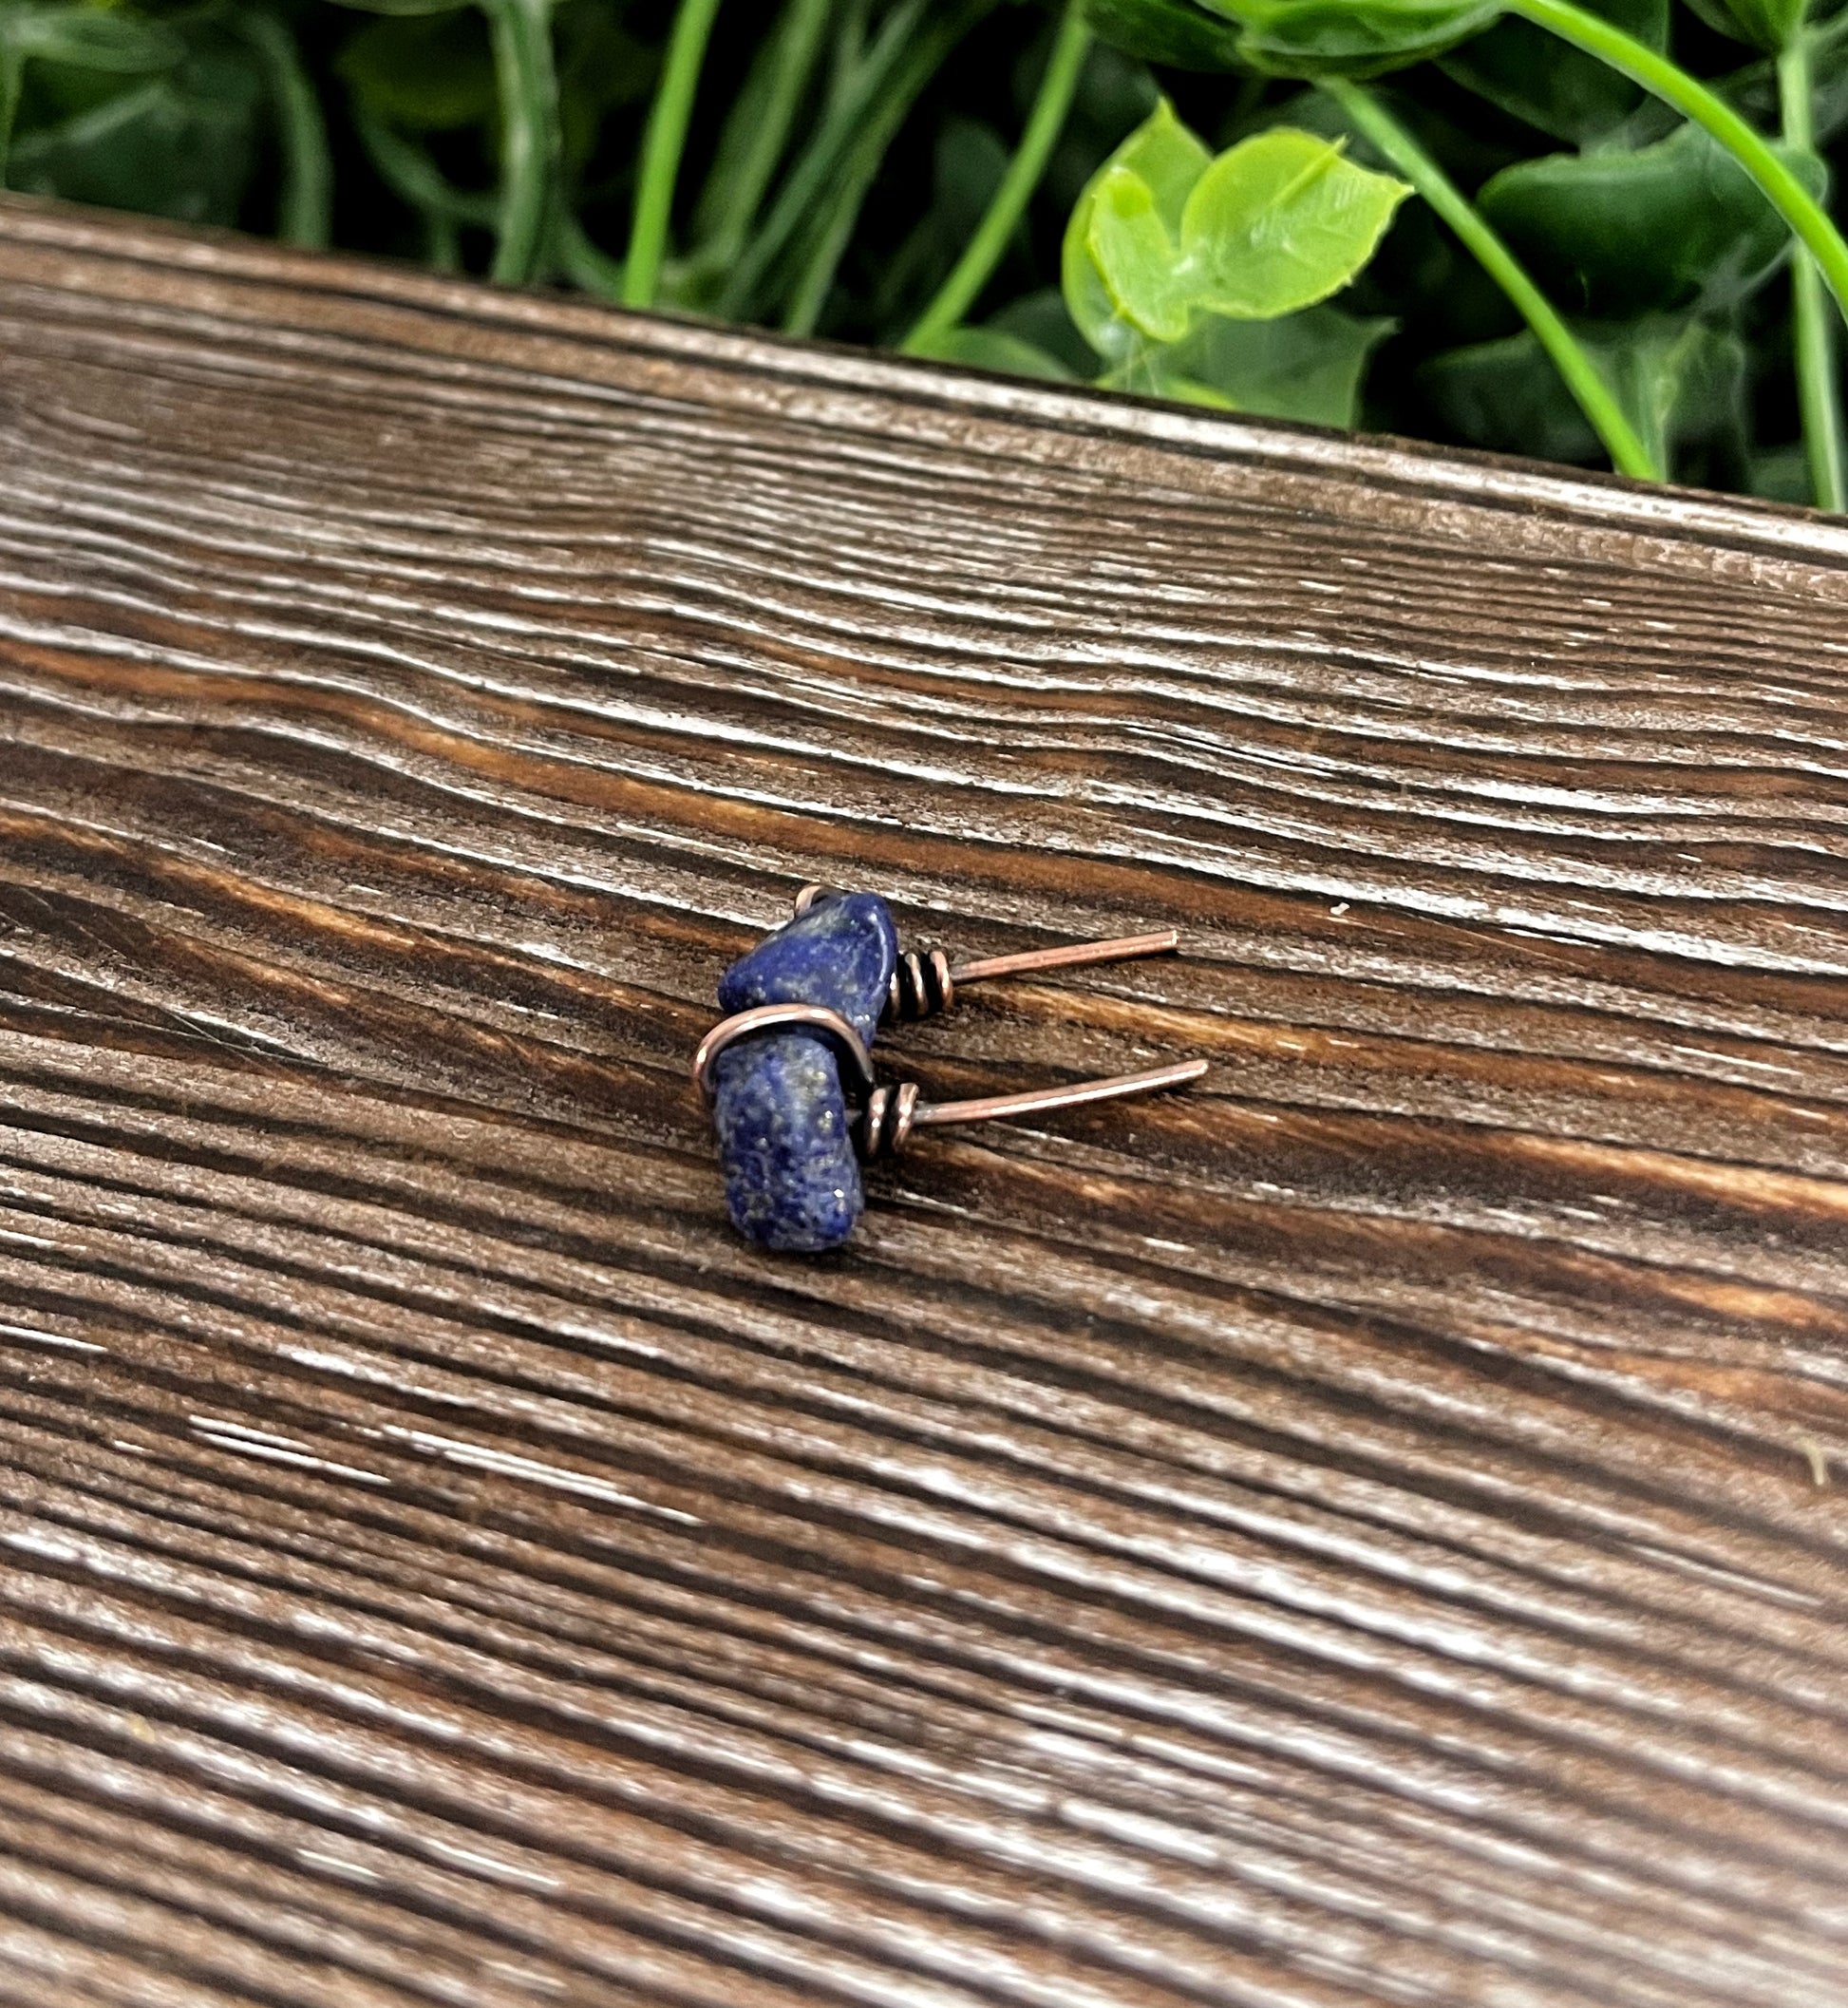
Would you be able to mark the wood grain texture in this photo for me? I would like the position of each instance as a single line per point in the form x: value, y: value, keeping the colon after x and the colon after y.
x: 1370, y: 1530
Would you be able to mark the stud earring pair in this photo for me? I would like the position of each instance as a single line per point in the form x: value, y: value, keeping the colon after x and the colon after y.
x: 807, y: 1003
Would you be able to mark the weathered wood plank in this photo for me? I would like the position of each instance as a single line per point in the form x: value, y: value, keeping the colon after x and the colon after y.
x: 1352, y: 1534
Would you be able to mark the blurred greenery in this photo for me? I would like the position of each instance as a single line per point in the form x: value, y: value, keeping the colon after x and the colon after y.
x: 1157, y: 196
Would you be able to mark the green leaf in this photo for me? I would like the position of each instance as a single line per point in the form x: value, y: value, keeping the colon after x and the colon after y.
x: 1136, y: 258
x: 1560, y: 90
x: 1173, y: 32
x: 993, y: 348
x: 1306, y: 366
x: 1508, y: 397
x: 86, y: 38
x: 1168, y: 160
x: 1041, y: 318
x: 1280, y: 221
x: 1162, y: 152
x: 1162, y: 234
x: 1615, y: 235
x: 183, y: 146
x: 405, y: 7
x: 1765, y: 24
x: 1780, y: 474
x: 421, y: 72
x: 1314, y: 38
x: 1147, y: 376
x: 1680, y: 384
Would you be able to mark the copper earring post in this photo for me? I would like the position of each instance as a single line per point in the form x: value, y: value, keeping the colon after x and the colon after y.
x: 926, y: 983
x: 1074, y: 954
x: 892, y: 1114
x: 922, y: 985
x: 1042, y: 1100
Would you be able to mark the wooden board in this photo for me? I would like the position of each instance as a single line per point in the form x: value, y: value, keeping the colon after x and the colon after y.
x: 1368, y: 1530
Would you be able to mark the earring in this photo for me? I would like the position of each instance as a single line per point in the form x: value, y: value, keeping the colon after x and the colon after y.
x: 809, y: 1000
x: 922, y: 985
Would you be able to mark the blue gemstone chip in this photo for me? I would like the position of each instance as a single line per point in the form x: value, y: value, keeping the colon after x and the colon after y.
x: 785, y: 1136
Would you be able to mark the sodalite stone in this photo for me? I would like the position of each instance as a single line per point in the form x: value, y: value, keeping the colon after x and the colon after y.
x: 785, y: 1140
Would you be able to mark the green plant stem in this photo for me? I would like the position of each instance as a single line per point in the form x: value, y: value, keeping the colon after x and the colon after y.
x: 1595, y: 397
x: 971, y: 272
x: 849, y: 47
x: 662, y: 147
x: 442, y: 242
x: 1693, y: 100
x: 819, y: 168
x: 1818, y: 390
x: 11, y: 82
x: 758, y: 130
x: 407, y: 170
x: 528, y: 80
x: 817, y: 278
x: 922, y: 55
x: 415, y: 179
x: 305, y: 210
x: 586, y: 264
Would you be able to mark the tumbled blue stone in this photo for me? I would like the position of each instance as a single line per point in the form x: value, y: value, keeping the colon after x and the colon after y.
x: 792, y: 1177
x: 841, y: 953
x: 785, y: 1140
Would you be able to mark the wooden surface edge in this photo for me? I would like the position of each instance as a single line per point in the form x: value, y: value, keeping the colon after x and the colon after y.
x: 1467, y: 477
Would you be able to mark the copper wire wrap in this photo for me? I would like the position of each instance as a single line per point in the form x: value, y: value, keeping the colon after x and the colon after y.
x: 921, y: 986
x: 782, y: 1018
x: 884, y: 1118
x: 885, y: 1123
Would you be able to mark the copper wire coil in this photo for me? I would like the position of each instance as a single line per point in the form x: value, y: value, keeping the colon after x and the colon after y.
x: 885, y: 1120
x: 921, y: 985
x: 784, y: 1017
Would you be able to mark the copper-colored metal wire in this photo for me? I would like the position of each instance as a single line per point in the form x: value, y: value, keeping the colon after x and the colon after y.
x: 1073, y: 954
x: 885, y: 1123
x: 777, y: 1018
x: 1043, y: 1101
x: 888, y: 1115
x: 926, y: 983
x: 922, y: 984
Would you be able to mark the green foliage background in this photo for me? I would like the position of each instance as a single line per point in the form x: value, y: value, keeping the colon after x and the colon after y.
x: 393, y: 131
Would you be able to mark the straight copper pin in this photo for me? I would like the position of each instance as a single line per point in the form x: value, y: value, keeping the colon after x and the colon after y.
x: 1074, y: 954
x: 891, y: 1114
x: 1041, y: 1101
